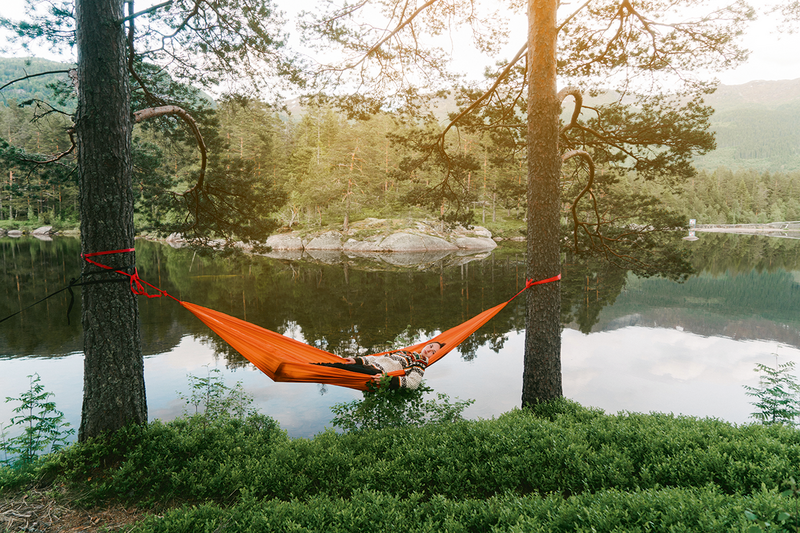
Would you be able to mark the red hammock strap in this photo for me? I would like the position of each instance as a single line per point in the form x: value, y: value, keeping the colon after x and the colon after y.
x: 530, y: 283
x: 137, y: 283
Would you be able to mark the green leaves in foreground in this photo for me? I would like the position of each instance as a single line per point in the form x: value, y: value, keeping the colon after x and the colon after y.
x: 43, y: 426
x: 382, y: 408
x: 703, y: 509
x: 777, y: 397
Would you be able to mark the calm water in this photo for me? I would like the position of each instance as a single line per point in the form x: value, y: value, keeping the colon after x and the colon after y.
x: 629, y: 344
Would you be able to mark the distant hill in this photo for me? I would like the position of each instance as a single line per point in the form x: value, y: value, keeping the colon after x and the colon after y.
x: 757, y: 124
x: 757, y: 127
x: 12, y: 68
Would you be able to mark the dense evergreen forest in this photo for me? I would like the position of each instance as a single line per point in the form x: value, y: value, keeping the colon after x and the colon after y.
x: 314, y: 166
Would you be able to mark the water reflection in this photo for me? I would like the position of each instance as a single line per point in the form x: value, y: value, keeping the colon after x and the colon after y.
x: 629, y: 343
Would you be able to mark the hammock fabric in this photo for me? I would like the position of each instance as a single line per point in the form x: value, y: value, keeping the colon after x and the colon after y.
x: 287, y: 360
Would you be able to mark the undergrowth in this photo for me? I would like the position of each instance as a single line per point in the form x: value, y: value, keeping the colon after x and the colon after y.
x: 553, y: 467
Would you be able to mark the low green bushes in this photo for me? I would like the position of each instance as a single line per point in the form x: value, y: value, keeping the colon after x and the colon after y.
x: 569, y: 450
x: 557, y: 467
x: 703, y: 509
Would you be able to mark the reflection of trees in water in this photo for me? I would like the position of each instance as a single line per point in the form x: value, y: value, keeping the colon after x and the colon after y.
x: 351, y: 309
x: 32, y: 269
x: 721, y: 253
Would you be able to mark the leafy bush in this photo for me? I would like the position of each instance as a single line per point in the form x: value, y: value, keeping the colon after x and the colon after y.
x: 382, y: 408
x: 213, y: 400
x: 696, y: 509
x: 776, y: 395
x: 778, y: 519
x: 43, y: 426
x: 188, y: 458
x: 572, y: 451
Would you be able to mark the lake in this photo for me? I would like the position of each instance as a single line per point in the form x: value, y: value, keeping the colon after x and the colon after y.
x: 628, y: 343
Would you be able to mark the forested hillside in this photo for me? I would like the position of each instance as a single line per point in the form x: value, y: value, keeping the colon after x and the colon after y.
x: 314, y: 166
x: 12, y: 68
x: 756, y: 126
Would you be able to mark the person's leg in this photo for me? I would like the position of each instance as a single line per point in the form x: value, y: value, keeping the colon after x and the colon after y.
x: 361, y: 369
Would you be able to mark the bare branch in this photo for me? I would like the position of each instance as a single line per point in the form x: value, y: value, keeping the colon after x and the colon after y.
x: 587, y: 158
x: 571, y: 16
x: 144, y: 11
x: 71, y: 133
x: 29, y: 76
x: 154, y: 112
x: 502, y: 76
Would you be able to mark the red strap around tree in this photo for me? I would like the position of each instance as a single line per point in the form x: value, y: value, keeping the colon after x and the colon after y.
x: 137, y: 283
x: 530, y: 283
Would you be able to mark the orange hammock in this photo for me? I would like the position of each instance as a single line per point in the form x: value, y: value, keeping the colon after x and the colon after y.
x: 285, y: 359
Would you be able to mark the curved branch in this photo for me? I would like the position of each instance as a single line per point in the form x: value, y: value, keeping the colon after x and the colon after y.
x: 71, y: 133
x: 590, y: 162
x: 154, y: 112
x: 578, y: 96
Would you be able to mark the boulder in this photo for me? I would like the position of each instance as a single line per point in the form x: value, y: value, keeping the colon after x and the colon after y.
x: 371, y: 244
x: 330, y: 240
x: 476, y: 243
x: 285, y: 241
x: 44, y: 230
x: 411, y: 242
x: 14, y: 233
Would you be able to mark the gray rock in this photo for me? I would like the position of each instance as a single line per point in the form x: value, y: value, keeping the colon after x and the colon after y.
x: 371, y: 244
x: 330, y: 240
x: 285, y: 241
x: 476, y: 243
x: 44, y: 230
x: 14, y: 233
x: 411, y: 242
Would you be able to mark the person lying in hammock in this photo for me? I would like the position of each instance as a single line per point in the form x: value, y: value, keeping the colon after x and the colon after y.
x: 412, y: 363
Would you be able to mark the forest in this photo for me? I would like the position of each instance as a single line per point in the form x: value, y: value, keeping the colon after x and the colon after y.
x: 307, y: 165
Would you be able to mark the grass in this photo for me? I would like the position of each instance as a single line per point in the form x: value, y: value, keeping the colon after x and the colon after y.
x: 558, y: 467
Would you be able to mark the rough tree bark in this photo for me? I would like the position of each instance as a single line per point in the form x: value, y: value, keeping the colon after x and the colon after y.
x: 541, y: 378
x: 114, y: 393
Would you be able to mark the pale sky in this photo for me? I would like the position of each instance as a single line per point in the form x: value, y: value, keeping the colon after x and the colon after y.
x: 774, y: 55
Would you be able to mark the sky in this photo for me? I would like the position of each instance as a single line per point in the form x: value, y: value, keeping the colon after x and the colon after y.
x: 773, y: 55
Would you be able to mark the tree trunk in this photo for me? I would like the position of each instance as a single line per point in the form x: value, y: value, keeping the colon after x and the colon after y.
x: 113, y: 387
x: 541, y: 379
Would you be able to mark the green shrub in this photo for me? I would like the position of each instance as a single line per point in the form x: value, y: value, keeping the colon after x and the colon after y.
x: 188, y: 458
x: 382, y: 407
x: 777, y: 393
x: 702, y: 509
x: 43, y: 427
x: 213, y: 400
x: 580, y: 451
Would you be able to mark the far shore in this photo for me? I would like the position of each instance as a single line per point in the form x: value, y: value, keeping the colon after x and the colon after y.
x: 788, y: 229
